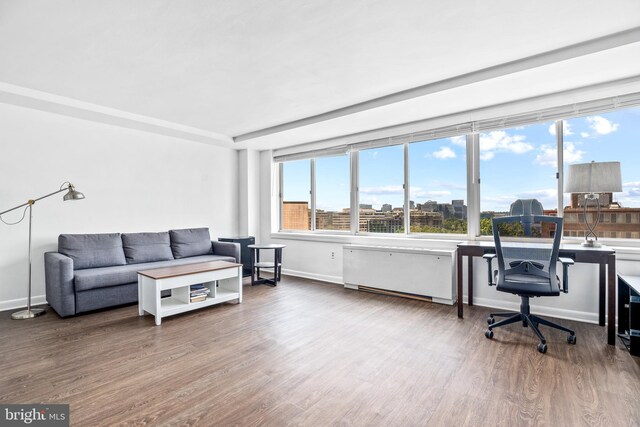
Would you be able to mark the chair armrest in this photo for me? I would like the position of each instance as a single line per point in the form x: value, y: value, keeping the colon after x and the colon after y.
x: 227, y: 249
x: 60, y: 290
x: 566, y: 262
x: 489, y: 258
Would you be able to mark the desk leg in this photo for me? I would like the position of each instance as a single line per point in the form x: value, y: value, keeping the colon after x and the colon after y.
x: 470, y: 281
x: 602, y: 293
x: 459, y: 271
x: 611, y: 287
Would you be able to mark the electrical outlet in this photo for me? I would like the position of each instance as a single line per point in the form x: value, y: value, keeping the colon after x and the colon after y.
x: 333, y: 255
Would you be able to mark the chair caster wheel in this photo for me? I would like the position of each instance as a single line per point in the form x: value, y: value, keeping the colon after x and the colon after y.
x: 488, y: 334
x: 542, y: 348
x: 571, y: 339
x: 491, y: 320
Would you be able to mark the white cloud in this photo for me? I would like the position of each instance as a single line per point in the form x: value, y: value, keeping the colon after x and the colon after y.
x: 584, y: 134
x: 385, y: 189
x: 501, y: 141
x: 548, y: 155
x: 601, y: 126
x: 566, y: 129
x: 571, y: 154
x: 444, y: 153
x: 630, y: 191
x: 460, y: 140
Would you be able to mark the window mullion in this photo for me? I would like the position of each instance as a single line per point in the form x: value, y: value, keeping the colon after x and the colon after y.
x: 355, y: 198
x: 407, y: 206
x: 473, y: 185
x: 312, y: 195
x: 560, y: 168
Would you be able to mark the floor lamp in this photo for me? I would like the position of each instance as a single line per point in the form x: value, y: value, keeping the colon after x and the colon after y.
x: 591, y: 179
x: 72, y: 194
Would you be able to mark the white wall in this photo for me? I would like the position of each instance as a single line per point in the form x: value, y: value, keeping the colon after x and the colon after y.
x: 133, y: 181
x: 248, y: 192
x: 311, y: 257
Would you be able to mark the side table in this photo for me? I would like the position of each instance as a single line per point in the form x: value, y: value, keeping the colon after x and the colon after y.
x: 256, y: 264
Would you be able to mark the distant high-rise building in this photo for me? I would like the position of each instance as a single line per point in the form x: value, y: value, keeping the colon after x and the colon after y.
x: 412, y: 204
x: 295, y: 216
x: 387, y: 207
x: 365, y: 206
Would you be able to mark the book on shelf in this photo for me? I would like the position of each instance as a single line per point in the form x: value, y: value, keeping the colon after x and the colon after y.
x: 199, y: 298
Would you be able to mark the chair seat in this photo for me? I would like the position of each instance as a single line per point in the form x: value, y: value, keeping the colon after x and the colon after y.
x: 527, y: 285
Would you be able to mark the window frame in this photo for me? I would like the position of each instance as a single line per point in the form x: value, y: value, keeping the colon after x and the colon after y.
x: 473, y: 182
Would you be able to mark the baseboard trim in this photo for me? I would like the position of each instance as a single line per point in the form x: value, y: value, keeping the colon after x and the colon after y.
x: 21, y: 303
x: 314, y: 276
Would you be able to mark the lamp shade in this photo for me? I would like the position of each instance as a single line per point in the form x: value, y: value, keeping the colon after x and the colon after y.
x: 594, y: 177
x: 72, y: 194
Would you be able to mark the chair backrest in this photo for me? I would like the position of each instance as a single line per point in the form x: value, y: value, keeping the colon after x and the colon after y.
x: 525, y: 259
x: 527, y: 209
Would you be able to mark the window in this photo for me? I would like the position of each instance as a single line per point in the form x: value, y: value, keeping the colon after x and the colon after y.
x: 438, y: 186
x: 381, y: 184
x: 602, y: 138
x: 296, y: 189
x: 417, y: 185
x: 332, y: 193
x: 517, y: 163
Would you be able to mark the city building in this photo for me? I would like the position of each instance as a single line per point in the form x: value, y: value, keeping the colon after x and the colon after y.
x: 616, y: 221
x: 295, y: 216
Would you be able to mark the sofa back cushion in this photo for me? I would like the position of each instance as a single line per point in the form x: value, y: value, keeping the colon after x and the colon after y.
x: 146, y: 247
x: 190, y: 242
x: 92, y: 250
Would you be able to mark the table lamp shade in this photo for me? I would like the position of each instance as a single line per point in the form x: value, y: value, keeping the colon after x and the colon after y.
x: 600, y: 177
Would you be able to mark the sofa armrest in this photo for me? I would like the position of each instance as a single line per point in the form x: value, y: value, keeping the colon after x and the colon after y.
x: 226, y: 249
x: 58, y: 271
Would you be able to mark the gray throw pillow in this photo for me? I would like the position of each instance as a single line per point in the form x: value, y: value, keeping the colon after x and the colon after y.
x: 190, y: 242
x: 92, y: 250
x: 146, y: 247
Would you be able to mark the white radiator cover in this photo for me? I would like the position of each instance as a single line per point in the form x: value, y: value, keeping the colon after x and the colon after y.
x: 426, y: 272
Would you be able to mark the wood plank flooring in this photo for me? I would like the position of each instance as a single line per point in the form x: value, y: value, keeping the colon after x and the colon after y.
x: 314, y: 354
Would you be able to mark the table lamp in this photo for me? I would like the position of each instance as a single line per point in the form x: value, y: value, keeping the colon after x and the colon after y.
x: 72, y: 194
x: 591, y: 179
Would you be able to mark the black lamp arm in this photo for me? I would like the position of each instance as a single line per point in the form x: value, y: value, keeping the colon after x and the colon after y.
x: 32, y: 201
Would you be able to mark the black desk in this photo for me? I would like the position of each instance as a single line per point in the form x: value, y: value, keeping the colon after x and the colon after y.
x: 603, y: 256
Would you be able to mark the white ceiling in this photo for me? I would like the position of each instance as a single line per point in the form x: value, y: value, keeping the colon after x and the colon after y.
x: 220, y: 69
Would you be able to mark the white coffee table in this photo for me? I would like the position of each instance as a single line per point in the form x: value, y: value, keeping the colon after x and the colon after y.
x: 224, y: 280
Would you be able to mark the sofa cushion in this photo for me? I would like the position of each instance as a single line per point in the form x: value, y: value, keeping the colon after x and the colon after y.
x: 92, y: 250
x: 190, y: 242
x: 94, y: 278
x: 146, y: 247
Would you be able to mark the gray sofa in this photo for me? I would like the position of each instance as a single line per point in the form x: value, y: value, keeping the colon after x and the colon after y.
x: 93, y: 271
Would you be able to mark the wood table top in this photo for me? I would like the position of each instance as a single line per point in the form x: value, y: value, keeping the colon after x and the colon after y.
x: 186, y: 269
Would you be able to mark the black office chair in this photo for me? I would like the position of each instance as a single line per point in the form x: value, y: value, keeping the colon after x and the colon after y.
x: 528, y: 270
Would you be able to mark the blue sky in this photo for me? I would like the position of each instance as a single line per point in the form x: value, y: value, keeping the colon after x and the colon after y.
x: 514, y: 163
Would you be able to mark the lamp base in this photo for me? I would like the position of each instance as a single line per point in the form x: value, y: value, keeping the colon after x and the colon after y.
x: 591, y: 244
x: 27, y: 314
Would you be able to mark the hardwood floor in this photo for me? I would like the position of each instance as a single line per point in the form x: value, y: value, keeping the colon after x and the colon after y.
x: 315, y: 354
